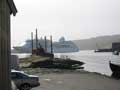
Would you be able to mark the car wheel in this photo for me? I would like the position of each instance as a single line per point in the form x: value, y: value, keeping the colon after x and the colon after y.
x: 24, y: 87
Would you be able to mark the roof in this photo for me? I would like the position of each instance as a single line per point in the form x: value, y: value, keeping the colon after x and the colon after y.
x: 13, y: 9
x: 17, y: 71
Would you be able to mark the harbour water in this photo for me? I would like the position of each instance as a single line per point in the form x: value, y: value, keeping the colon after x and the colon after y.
x: 22, y: 55
x: 94, y: 62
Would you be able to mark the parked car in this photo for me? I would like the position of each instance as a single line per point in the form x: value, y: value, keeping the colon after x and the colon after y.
x: 13, y: 86
x: 24, y: 81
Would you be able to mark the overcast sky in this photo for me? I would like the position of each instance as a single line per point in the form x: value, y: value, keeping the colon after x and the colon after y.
x: 73, y: 19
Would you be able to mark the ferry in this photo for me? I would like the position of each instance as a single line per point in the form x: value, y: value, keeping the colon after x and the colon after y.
x: 62, y: 46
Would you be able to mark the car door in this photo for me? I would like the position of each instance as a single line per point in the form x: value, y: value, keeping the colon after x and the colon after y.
x: 17, y: 78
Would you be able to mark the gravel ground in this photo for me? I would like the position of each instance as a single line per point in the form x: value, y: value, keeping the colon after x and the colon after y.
x: 77, y: 81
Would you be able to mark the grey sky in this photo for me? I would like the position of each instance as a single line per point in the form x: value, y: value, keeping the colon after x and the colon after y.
x: 74, y: 19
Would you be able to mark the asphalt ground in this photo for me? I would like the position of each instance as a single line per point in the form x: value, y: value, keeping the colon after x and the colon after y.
x: 77, y: 81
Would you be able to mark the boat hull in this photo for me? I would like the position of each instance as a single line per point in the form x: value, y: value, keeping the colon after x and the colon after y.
x: 114, y: 67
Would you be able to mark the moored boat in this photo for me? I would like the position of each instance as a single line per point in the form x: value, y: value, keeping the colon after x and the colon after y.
x: 114, y: 67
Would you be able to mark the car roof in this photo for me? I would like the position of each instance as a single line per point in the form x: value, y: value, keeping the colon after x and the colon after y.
x: 17, y: 71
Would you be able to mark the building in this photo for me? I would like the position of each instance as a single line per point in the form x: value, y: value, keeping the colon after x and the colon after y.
x: 15, y: 62
x: 7, y: 7
x: 116, y: 46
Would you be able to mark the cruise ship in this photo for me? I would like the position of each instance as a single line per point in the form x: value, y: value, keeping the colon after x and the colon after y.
x: 62, y: 46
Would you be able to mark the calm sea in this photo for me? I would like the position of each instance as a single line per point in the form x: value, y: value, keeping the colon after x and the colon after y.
x: 94, y: 62
x: 22, y: 55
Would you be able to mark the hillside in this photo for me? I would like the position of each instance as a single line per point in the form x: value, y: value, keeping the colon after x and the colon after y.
x: 97, y: 42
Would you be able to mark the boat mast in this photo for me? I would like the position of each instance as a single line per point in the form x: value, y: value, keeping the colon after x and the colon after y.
x: 51, y: 44
x: 45, y: 44
x: 32, y: 42
x: 36, y: 40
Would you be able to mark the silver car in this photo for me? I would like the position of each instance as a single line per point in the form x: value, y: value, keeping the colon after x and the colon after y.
x: 24, y: 81
x: 13, y: 87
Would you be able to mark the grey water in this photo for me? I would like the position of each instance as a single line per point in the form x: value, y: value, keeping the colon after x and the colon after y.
x: 94, y: 62
x: 22, y: 55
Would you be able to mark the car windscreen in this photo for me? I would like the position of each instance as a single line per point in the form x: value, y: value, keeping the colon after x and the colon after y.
x: 17, y: 75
